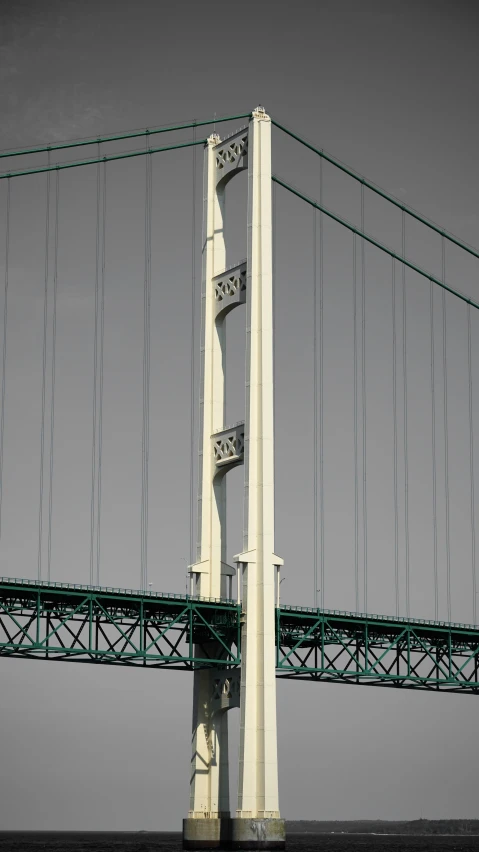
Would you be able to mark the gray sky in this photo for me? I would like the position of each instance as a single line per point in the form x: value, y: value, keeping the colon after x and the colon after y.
x: 389, y: 88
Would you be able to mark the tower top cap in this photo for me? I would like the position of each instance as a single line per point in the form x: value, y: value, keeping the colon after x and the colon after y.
x: 259, y: 112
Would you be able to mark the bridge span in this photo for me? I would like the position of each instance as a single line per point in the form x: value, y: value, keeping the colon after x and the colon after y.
x: 127, y: 627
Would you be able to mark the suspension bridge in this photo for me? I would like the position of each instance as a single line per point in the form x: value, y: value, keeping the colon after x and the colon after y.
x: 229, y: 625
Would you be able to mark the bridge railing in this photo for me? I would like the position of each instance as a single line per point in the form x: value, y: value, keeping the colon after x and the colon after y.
x: 373, y: 617
x: 114, y: 590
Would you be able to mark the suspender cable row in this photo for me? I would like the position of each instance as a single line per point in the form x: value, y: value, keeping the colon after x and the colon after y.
x: 4, y: 348
x: 395, y: 440
x: 355, y: 424
x: 471, y: 462
x: 146, y: 377
x: 100, y: 376
x: 433, y: 451
x: 363, y: 407
x: 446, y: 435
x: 405, y: 436
x: 321, y: 395
x: 53, y: 369
x: 44, y: 371
x: 192, y: 354
x: 95, y: 377
x: 97, y: 401
x: 316, y: 534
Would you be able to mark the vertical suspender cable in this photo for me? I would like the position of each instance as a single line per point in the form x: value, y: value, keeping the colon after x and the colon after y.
x: 146, y: 373
x: 395, y: 442
x: 471, y: 461
x: 44, y: 372
x: 363, y: 404
x: 355, y: 422
x: 433, y: 447
x: 274, y: 242
x: 315, y: 411
x: 52, y: 400
x: 4, y: 351
x: 446, y: 434
x: 100, y: 377
x: 321, y: 384
x: 95, y: 377
x: 192, y: 349
x: 406, y: 458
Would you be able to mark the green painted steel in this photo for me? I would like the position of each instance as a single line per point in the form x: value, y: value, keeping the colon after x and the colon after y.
x: 107, y: 159
x: 117, y: 137
x: 377, y: 190
x: 61, y: 621
x: 343, y: 647
x: 56, y: 621
x: 374, y: 242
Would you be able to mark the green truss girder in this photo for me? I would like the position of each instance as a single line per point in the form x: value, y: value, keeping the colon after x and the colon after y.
x: 115, y: 626
x: 124, y: 627
x: 344, y: 647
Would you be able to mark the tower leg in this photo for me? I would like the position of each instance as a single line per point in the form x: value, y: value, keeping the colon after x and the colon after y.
x: 208, y: 824
x: 258, y: 823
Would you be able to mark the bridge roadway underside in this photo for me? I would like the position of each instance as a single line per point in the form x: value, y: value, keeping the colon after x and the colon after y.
x: 55, y: 621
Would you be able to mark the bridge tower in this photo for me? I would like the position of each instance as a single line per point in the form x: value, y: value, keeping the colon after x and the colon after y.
x: 257, y: 823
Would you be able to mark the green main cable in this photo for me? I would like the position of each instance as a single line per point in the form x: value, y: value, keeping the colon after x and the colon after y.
x: 141, y: 153
x: 374, y: 242
x: 134, y: 134
x: 377, y: 190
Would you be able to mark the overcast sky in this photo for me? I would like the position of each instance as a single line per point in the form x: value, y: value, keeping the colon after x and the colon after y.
x: 388, y: 87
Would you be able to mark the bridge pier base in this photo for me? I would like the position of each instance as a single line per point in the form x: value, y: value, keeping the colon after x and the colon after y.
x: 227, y: 833
x: 257, y: 833
x: 206, y: 833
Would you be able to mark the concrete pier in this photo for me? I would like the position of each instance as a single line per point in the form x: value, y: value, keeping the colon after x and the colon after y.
x: 227, y: 833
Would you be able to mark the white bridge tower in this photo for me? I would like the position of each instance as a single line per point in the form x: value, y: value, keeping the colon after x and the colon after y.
x: 257, y: 822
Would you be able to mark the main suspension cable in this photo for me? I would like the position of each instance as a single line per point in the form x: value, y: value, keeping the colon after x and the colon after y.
x: 471, y: 462
x: 395, y: 201
x: 53, y: 371
x: 116, y: 137
x: 73, y: 164
x: 44, y: 372
x: 4, y: 348
x: 376, y: 243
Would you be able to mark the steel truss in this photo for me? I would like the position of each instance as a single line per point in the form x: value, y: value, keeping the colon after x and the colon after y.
x: 377, y: 650
x: 82, y: 624
x: 55, y: 621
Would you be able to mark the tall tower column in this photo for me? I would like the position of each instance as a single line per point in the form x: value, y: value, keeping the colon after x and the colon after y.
x: 258, y: 823
x: 208, y: 822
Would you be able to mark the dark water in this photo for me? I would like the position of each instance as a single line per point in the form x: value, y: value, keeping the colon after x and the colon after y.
x: 171, y: 842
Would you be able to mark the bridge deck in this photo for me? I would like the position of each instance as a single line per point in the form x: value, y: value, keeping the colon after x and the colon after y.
x: 64, y: 621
